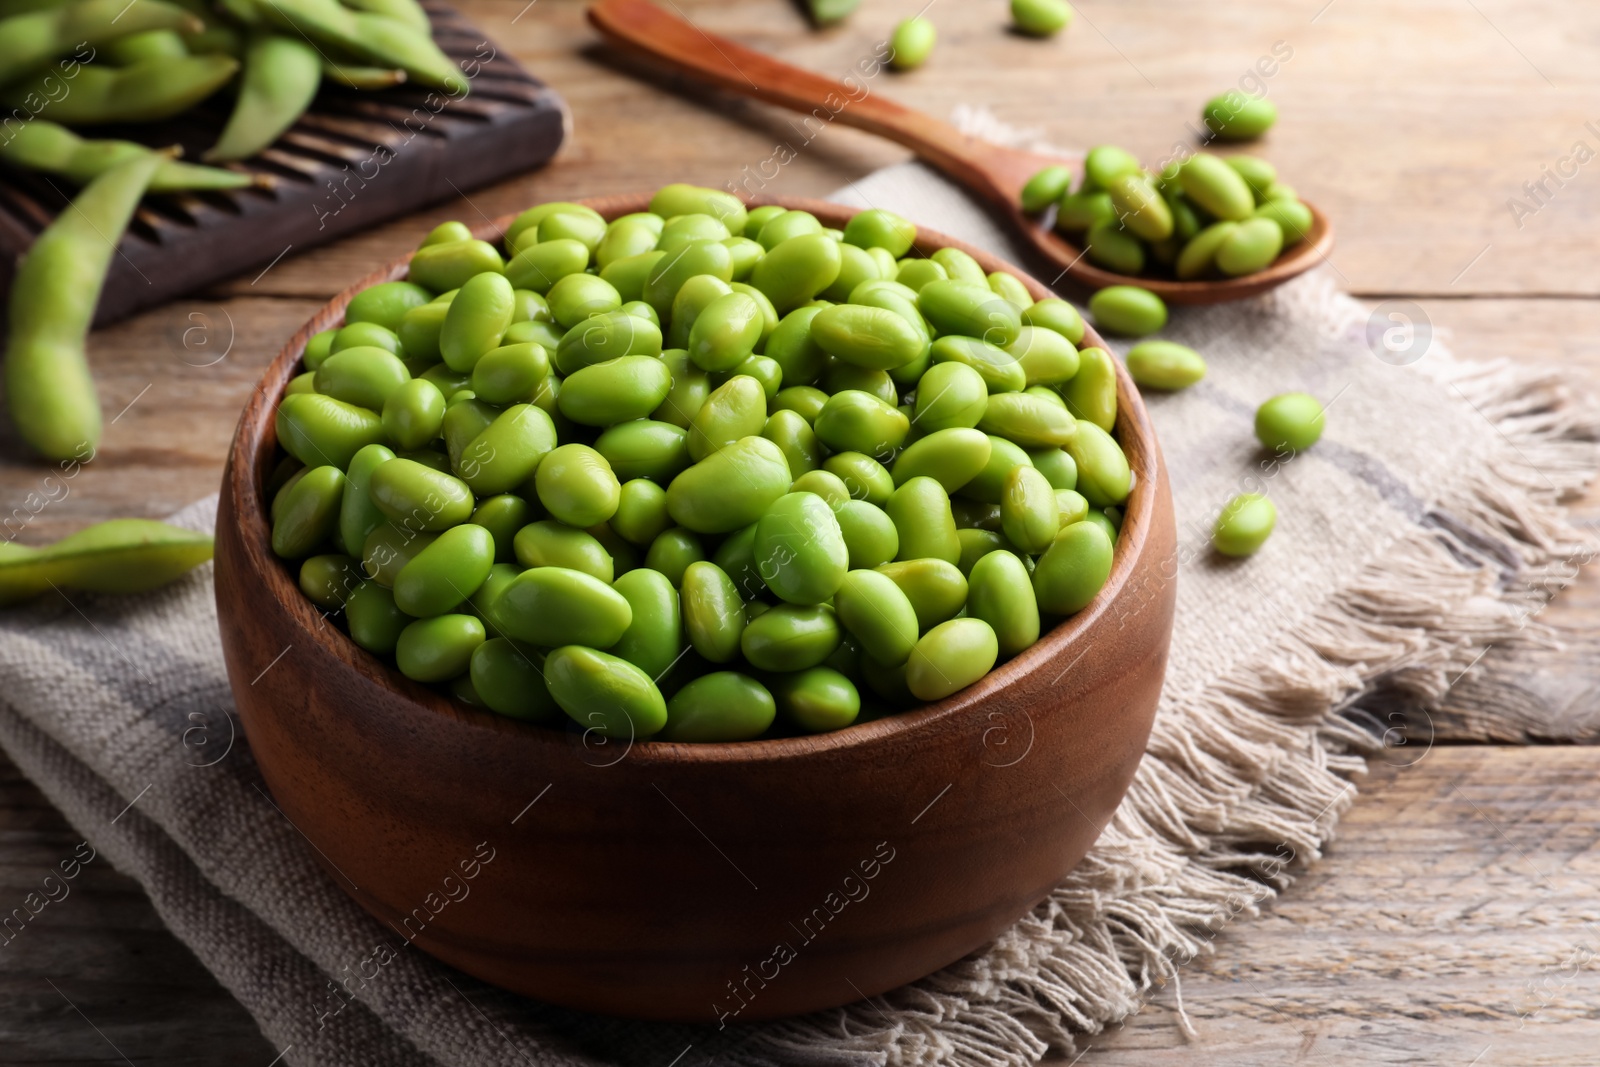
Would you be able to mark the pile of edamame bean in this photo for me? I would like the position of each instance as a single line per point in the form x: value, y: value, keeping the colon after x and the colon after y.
x: 700, y: 473
x: 1202, y: 218
x: 67, y: 63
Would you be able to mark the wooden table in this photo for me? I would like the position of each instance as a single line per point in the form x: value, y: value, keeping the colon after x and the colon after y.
x: 1447, y: 923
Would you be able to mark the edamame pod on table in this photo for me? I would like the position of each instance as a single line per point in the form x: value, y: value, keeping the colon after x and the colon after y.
x: 145, y: 92
x: 280, y: 79
x: 119, y: 556
x: 49, y: 392
x: 377, y: 38
x: 32, y: 39
x: 45, y: 146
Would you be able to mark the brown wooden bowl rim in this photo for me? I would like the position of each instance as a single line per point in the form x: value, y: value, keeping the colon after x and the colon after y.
x: 1298, y: 259
x: 255, y: 444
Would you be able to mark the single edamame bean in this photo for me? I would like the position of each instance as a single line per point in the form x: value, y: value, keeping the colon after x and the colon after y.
x: 795, y: 271
x: 786, y: 224
x: 970, y: 310
x: 317, y: 429
x: 951, y: 457
x: 988, y: 486
x: 793, y: 434
x: 630, y: 235
x: 1292, y: 217
x: 746, y: 253
x: 1233, y: 116
x: 604, y: 693
x: 629, y: 274
x: 438, y: 649
x: 1104, y: 163
x: 309, y: 514
x: 1082, y: 211
x: 1011, y: 287
x: 721, y: 706
x: 1165, y: 365
x: 510, y: 681
x: 1114, y: 248
x: 1216, y: 187
x: 912, y: 43
x: 864, y: 477
x: 610, y: 335
x: 510, y: 373
x: 827, y: 486
x: 318, y: 348
x: 554, y: 544
x: 667, y: 276
x: 876, y: 228
x: 869, y: 534
x: 1073, y: 569
x: 841, y: 376
x: 388, y: 548
x: 804, y: 400
x: 538, y: 267
x: 437, y: 579
x: 476, y: 320
x: 683, y: 199
x: 713, y: 614
x: 1041, y: 18
x: 736, y: 409
x: 359, y: 515
x: 413, y: 414
x: 875, y: 611
x: 506, y: 453
x: 920, y: 511
x: 441, y: 267
x: 1289, y: 422
x: 1091, y: 395
x: 950, y: 657
x: 949, y: 396
x: 693, y: 296
x: 1046, y: 357
x: 385, y: 303
x: 365, y: 376
x: 1047, y: 185
x: 547, y: 605
x: 1028, y: 421
x: 790, y: 637
x: 645, y: 448
x: 1000, y: 370
x: 1029, y: 514
x: 1056, y: 466
x: 1074, y: 507
x: 977, y: 543
x: 672, y: 552
x: 652, y: 641
x: 1140, y: 207
x: 641, y: 513
x: 870, y: 337
x: 817, y: 700
x: 1250, y: 247
x: 374, y: 621
x: 857, y: 421
x: 416, y: 497
x: 1128, y: 310
x: 1058, y: 315
x: 1200, y: 254
x: 914, y: 272
x: 365, y: 335
x: 575, y: 297
x: 618, y: 390
x: 799, y: 549
x: 1244, y: 525
x: 577, y: 486
x: 856, y: 265
x: 502, y: 515
x: 725, y: 332
x: 1103, y: 475
x: 694, y: 226
x: 936, y: 588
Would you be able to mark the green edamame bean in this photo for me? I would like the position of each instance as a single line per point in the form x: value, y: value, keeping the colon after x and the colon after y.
x: 611, y: 335
x: 1029, y: 514
x: 1058, y: 315
x: 375, y: 622
x: 1128, y: 310
x: 746, y: 253
x: 538, y: 267
x: 804, y: 400
x: 694, y: 296
x: 618, y: 390
x: 510, y: 373
x: 1216, y: 187
x: 988, y: 486
x: 713, y: 614
x: 856, y: 265
x: 1056, y: 466
x: 507, y: 452
x: 604, y: 693
x: 442, y: 267
x: 1099, y: 518
x: 950, y: 657
x: 1011, y: 288
x: 1110, y: 246
x: 1257, y: 172
x: 438, y: 648
x: 419, y: 331
x: 817, y: 700
x: 1165, y: 365
x: 476, y: 320
x: 1000, y: 370
x: 365, y: 377
x: 1200, y: 254
x: 841, y: 376
x: 318, y: 349
x: 977, y: 543
x: 672, y: 551
x: 309, y: 514
x: 911, y: 43
x: 667, y: 276
x: 577, y: 486
x: 857, y: 421
x: 447, y: 232
x: 720, y: 706
x: 920, y: 511
x: 1244, y: 525
x: 975, y: 514
x: 547, y: 605
x: 641, y: 511
x: 318, y: 429
x: 1103, y: 474
x: 960, y: 267
x: 682, y: 199
x: 827, y: 486
x: 358, y: 514
x: 482, y: 600
x: 364, y: 335
x: 1289, y: 422
x: 763, y: 370
x: 1083, y: 211
x: 1046, y: 357
x: 442, y: 575
x: 388, y: 548
x: 644, y: 448
x: 465, y: 417
x: 1046, y: 186
x: 631, y: 235
x: 510, y: 681
x: 1280, y: 191
x: 639, y: 309
x: 1073, y: 569
x: 876, y: 228
x: 1074, y: 507
x: 575, y: 297
x: 1028, y: 421
x: 795, y: 271
x: 628, y: 275
x: 1234, y: 116
x: 799, y: 549
x: 1091, y: 395
x: 386, y: 303
x: 936, y: 588
x: 586, y: 229
x: 1104, y: 163
x: 690, y: 388
x: 794, y: 436
x: 870, y: 337
x: 730, y: 488
x: 869, y: 534
x: 786, y: 224
x: 794, y: 349
x: 950, y: 457
x: 790, y: 637
x: 875, y: 611
x: 1185, y: 220
x: 949, y: 396
x: 969, y: 310
x: 502, y: 515
x: 863, y: 476
x: 1140, y: 207
x: 735, y: 409
x: 1041, y: 18
x: 553, y: 544
x: 416, y: 497
x: 652, y: 642
x: 1292, y: 217
x: 726, y: 332
x: 1251, y: 247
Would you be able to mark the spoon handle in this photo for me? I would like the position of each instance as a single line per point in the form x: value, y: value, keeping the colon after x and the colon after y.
x: 643, y: 28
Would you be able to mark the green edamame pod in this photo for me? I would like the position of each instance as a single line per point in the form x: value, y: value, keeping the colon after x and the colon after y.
x: 604, y: 693
x: 377, y: 38
x: 280, y: 78
x: 119, y: 556
x: 49, y: 392
x: 144, y: 92
x: 30, y: 40
x: 360, y: 76
x: 45, y: 146
x: 720, y: 706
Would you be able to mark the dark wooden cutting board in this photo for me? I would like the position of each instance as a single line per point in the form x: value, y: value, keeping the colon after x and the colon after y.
x: 353, y: 160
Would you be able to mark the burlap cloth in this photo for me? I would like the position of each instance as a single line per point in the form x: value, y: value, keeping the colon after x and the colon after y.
x: 1424, y: 527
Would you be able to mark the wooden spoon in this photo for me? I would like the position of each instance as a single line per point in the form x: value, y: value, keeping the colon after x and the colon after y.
x: 993, y: 173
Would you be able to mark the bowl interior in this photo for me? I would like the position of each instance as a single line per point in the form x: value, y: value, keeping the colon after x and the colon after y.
x: 255, y: 452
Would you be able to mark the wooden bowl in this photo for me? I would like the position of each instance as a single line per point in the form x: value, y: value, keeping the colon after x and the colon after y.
x: 693, y: 882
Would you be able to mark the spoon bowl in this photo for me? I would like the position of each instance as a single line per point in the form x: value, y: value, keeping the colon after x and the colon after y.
x: 993, y: 173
